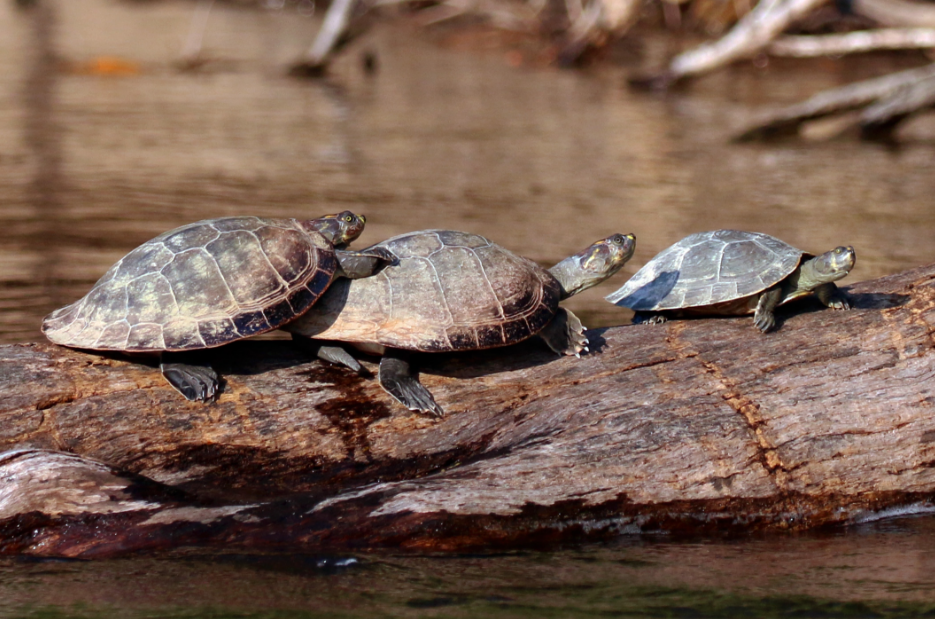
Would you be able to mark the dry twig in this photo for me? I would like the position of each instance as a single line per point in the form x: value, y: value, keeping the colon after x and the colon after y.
x: 888, y: 100
x: 852, y: 42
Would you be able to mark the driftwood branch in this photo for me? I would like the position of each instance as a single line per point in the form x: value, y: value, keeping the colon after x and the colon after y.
x: 897, y: 13
x: 191, y: 55
x: 759, y: 31
x: 750, y: 36
x: 337, y: 30
x: 689, y: 426
x: 887, y: 100
x: 853, y: 42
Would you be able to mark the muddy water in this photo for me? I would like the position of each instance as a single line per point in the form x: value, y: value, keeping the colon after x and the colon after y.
x: 105, y: 144
x: 877, y: 571
x: 542, y: 161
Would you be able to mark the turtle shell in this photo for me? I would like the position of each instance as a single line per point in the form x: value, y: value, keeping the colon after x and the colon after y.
x: 447, y: 291
x: 708, y: 268
x: 200, y: 286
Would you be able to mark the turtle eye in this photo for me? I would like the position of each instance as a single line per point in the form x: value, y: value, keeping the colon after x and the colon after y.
x: 617, y: 239
x: 838, y: 250
x: 348, y: 218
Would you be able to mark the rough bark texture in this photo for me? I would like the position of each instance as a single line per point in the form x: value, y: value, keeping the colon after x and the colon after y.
x: 690, y: 426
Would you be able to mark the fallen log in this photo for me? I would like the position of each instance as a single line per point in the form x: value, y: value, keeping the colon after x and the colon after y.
x: 692, y: 426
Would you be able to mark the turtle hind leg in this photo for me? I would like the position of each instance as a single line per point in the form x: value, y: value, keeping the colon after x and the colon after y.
x: 565, y: 334
x: 397, y: 379
x: 763, y: 316
x: 338, y: 356
x: 331, y: 353
x: 832, y: 296
x: 649, y: 318
x: 198, y: 383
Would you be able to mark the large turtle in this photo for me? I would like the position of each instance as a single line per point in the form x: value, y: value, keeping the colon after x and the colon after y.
x: 455, y: 291
x: 730, y: 272
x: 210, y: 283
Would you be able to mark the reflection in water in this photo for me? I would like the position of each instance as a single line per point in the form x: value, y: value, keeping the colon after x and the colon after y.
x: 541, y: 161
x: 41, y: 137
x: 883, y: 570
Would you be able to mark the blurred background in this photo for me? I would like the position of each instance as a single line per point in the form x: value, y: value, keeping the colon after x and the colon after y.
x: 111, y: 133
x: 107, y: 142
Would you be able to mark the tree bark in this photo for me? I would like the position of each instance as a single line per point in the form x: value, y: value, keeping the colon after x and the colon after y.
x: 691, y: 426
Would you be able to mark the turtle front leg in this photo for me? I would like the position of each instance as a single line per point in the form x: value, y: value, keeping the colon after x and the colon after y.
x: 763, y: 317
x: 198, y: 383
x: 832, y: 297
x: 565, y: 334
x: 649, y: 318
x: 397, y: 379
x: 357, y: 264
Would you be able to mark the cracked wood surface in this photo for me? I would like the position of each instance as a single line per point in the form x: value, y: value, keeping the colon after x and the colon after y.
x: 689, y: 426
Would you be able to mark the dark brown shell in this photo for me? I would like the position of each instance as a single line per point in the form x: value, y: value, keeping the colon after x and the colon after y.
x: 448, y: 291
x: 200, y: 286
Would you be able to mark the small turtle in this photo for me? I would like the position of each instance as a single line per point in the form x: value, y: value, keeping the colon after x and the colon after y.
x: 729, y: 272
x: 454, y: 291
x: 210, y: 283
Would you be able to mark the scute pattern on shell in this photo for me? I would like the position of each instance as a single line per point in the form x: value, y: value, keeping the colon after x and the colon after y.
x: 449, y: 291
x: 708, y: 268
x: 200, y: 286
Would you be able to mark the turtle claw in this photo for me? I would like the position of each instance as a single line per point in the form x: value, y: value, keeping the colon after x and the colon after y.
x: 565, y: 334
x: 198, y: 383
x: 397, y: 379
x: 764, y: 323
x: 839, y: 302
x: 648, y: 318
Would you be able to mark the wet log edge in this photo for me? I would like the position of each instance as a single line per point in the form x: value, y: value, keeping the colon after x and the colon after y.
x: 690, y: 427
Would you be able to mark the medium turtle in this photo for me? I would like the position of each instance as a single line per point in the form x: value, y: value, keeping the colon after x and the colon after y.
x: 729, y: 272
x: 210, y: 283
x: 454, y: 291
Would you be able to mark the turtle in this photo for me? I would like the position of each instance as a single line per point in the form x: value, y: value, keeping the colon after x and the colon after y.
x: 732, y: 272
x: 452, y: 291
x: 209, y: 283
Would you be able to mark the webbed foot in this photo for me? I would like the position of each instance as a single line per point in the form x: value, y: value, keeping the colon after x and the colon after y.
x: 338, y: 356
x: 763, y: 317
x: 841, y: 303
x: 648, y: 318
x: 565, y: 334
x: 833, y: 297
x: 764, y: 321
x: 198, y: 383
x: 397, y: 379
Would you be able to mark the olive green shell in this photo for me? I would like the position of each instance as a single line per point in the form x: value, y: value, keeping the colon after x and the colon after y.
x: 448, y: 291
x: 711, y: 269
x: 200, y: 286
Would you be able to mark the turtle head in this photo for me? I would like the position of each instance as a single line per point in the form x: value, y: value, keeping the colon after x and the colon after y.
x: 340, y: 228
x: 831, y: 265
x: 593, y: 265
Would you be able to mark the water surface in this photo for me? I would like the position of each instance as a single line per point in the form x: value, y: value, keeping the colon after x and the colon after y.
x: 880, y: 570
x: 541, y: 160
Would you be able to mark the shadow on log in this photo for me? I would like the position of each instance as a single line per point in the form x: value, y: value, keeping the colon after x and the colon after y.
x: 693, y: 426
